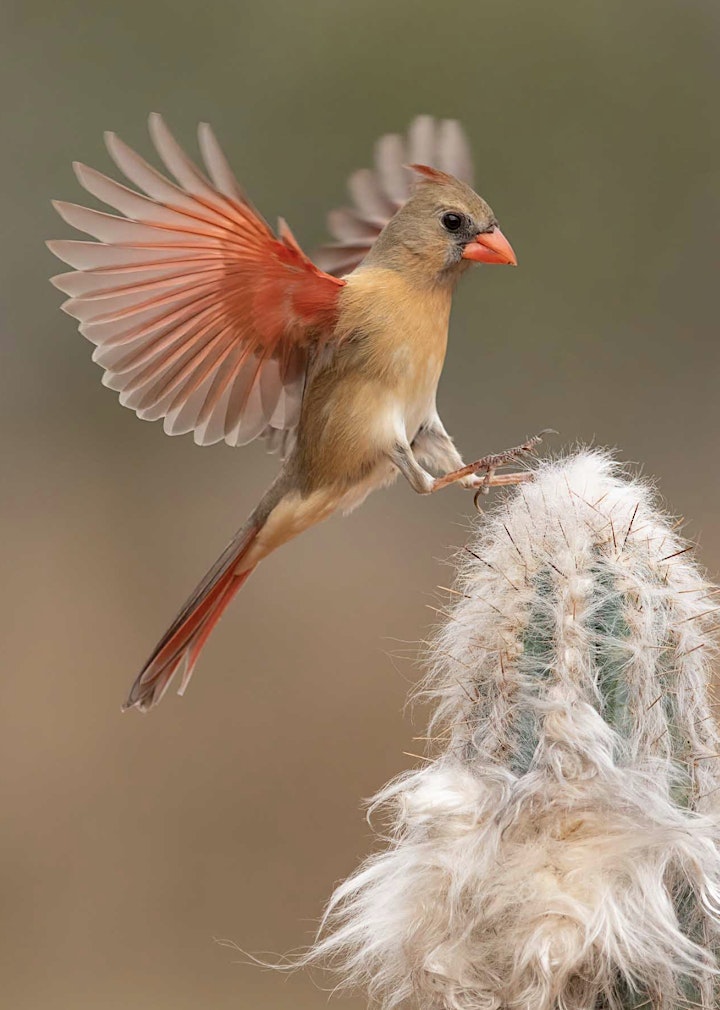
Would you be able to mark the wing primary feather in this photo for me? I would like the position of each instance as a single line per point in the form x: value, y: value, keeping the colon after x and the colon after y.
x: 348, y: 226
x: 422, y: 141
x: 115, y: 230
x: 97, y: 256
x: 133, y: 205
x: 371, y: 199
x: 118, y: 306
x: 217, y: 164
x: 99, y: 284
x: 155, y: 184
x: 391, y: 158
x: 454, y: 154
x: 177, y: 162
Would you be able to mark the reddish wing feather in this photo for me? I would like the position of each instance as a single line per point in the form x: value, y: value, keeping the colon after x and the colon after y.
x: 200, y: 314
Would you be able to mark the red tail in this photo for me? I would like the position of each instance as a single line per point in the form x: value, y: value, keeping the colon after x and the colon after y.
x: 181, y: 644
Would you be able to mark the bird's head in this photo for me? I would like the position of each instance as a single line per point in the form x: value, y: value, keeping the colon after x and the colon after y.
x: 443, y: 228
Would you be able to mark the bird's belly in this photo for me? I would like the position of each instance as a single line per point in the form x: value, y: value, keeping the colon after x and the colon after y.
x: 416, y: 398
x: 415, y: 413
x: 382, y: 474
x: 397, y: 414
x: 352, y: 423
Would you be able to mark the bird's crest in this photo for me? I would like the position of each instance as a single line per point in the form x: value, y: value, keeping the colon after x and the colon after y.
x: 433, y: 174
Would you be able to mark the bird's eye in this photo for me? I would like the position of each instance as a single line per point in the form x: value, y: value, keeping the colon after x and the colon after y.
x: 452, y: 221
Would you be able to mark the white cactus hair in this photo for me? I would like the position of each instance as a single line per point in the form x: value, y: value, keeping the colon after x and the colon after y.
x: 560, y: 850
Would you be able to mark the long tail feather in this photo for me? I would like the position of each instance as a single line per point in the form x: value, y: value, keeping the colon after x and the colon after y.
x: 182, y: 643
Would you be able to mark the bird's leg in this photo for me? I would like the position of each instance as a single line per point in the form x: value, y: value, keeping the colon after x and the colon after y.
x: 433, y: 443
x: 433, y: 448
x: 418, y: 478
x: 489, y: 464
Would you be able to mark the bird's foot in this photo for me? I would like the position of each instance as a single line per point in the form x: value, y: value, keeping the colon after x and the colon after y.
x: 481, y: 475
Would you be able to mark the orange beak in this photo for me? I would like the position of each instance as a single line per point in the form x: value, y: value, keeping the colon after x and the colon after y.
x: 490, y: 247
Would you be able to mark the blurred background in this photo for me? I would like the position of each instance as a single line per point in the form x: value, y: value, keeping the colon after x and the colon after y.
x: 129, y: 843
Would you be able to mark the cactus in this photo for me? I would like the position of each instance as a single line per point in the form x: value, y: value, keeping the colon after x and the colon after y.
x: 559, y: 849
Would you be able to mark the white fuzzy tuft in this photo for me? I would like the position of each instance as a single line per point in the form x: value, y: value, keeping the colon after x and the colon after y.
x: 562, y: 849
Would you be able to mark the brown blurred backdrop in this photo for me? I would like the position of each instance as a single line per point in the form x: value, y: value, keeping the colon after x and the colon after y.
x: 129, y: 843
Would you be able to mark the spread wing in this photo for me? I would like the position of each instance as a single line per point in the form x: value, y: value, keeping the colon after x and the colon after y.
x: 377, y: 194
x: 200, y: 313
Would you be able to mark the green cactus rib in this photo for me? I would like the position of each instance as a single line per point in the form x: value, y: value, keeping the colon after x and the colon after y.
x: 535, y: 666
x: 611, y: 637
x: 610, y: 631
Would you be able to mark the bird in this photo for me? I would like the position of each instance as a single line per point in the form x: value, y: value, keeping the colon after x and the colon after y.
x: 204, y: 316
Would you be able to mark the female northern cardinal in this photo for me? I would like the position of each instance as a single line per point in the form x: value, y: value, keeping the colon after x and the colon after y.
x: 202, y: 316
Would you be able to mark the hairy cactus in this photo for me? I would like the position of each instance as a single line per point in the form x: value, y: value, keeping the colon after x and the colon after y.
x: 560, y: 849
